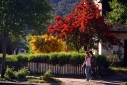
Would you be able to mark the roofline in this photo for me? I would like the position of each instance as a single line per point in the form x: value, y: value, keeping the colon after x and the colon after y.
x: 118, y: 31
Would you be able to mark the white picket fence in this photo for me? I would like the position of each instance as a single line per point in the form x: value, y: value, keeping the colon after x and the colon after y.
x: 56, y: 69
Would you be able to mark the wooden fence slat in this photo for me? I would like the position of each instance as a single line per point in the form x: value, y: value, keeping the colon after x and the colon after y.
x: 66, y: 69
x: 55, y: 69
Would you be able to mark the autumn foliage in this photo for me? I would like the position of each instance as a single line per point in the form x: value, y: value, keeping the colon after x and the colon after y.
x: 84, y: 26
x: 46, y: 44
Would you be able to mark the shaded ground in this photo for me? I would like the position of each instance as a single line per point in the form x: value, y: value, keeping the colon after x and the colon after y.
x: 112, y: 80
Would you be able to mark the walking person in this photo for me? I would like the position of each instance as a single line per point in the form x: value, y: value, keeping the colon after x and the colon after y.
x: 93, y: 70
x: 87, y: 62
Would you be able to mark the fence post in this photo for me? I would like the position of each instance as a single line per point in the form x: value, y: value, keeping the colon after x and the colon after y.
x: 0, y: 68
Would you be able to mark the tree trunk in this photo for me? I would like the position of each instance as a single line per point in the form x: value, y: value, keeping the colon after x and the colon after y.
x: 5, y: 36
x: 76, y: 46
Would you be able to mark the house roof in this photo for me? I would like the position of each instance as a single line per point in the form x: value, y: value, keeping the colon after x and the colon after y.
x: 119, y: 28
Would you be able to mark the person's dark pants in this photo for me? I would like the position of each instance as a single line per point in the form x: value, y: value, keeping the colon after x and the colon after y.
x: 93, y: 71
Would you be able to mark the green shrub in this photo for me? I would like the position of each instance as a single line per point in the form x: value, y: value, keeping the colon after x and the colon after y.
x: 53, y: 58
x: 63, y: 58
x: 81, y: 58
x: 11, y: 60
x: 10, y: 73
x: 76, y: 59
x: 42, y: 58
x: 102, y: 61
x: 17, y: 75
x: 114, y: 60
x: 47, y: 76
x: 22, y: 73
x: 31, y: 58
x: 22, y: 58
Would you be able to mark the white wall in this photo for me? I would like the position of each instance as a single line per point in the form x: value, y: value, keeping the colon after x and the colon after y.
x: 96, y: 2
x: 121, y: 36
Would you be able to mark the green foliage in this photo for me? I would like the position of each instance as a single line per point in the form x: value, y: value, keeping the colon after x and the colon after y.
x: 11, y: 60
x: 40, y: 58
x: 61, y: 58
x: 10, y: 73
x: 28, y: 39
x: 63, y: 7
x: 77, y: 59
x: 36, y: 80
x: 53, y: 58
x: 114, y: 58
x: 17, y: 75
x: 47, y: 76
x: 15, y: 15
x: 22, y: 73
x: 124, y: 2
x: 30, y: 12
x: 22, y: 58
x: 12, y: 41
x: 102, y: 61
x: 118, y: 69
x: 118, y: 13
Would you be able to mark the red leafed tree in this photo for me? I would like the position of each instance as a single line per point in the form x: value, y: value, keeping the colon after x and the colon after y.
x: 84, y: 26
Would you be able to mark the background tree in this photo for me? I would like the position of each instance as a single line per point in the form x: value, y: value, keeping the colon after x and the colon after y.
x: 118, y: 13
x: 46, y: 44
x: 63, y: 7
x: 123, y: 2
x: 12, y: 43
x: 16, y: 14
x: 118, y: 17
x: 84, y: 26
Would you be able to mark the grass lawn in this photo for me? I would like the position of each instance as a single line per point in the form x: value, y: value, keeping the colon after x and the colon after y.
x: 40, y: 80
x: 119, y: 69
x: 33, y: 80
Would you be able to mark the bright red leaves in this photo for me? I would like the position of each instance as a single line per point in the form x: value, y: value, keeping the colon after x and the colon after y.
x: 83, y: 26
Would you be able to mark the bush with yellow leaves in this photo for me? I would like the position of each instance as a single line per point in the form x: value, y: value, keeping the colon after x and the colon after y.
x: 46, y: 44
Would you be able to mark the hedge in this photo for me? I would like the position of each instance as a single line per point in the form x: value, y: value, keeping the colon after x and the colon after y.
x: 61, y: 58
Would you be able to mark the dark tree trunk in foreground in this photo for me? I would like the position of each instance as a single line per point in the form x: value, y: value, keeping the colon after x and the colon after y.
x: 3, y: 69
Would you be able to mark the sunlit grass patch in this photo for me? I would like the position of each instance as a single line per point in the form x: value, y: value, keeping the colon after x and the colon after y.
x: 119, y: 69
x: 2, y: 79
x: 38, y: 80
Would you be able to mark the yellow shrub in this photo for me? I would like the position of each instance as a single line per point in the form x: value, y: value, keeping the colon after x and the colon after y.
x: 46, y: 44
